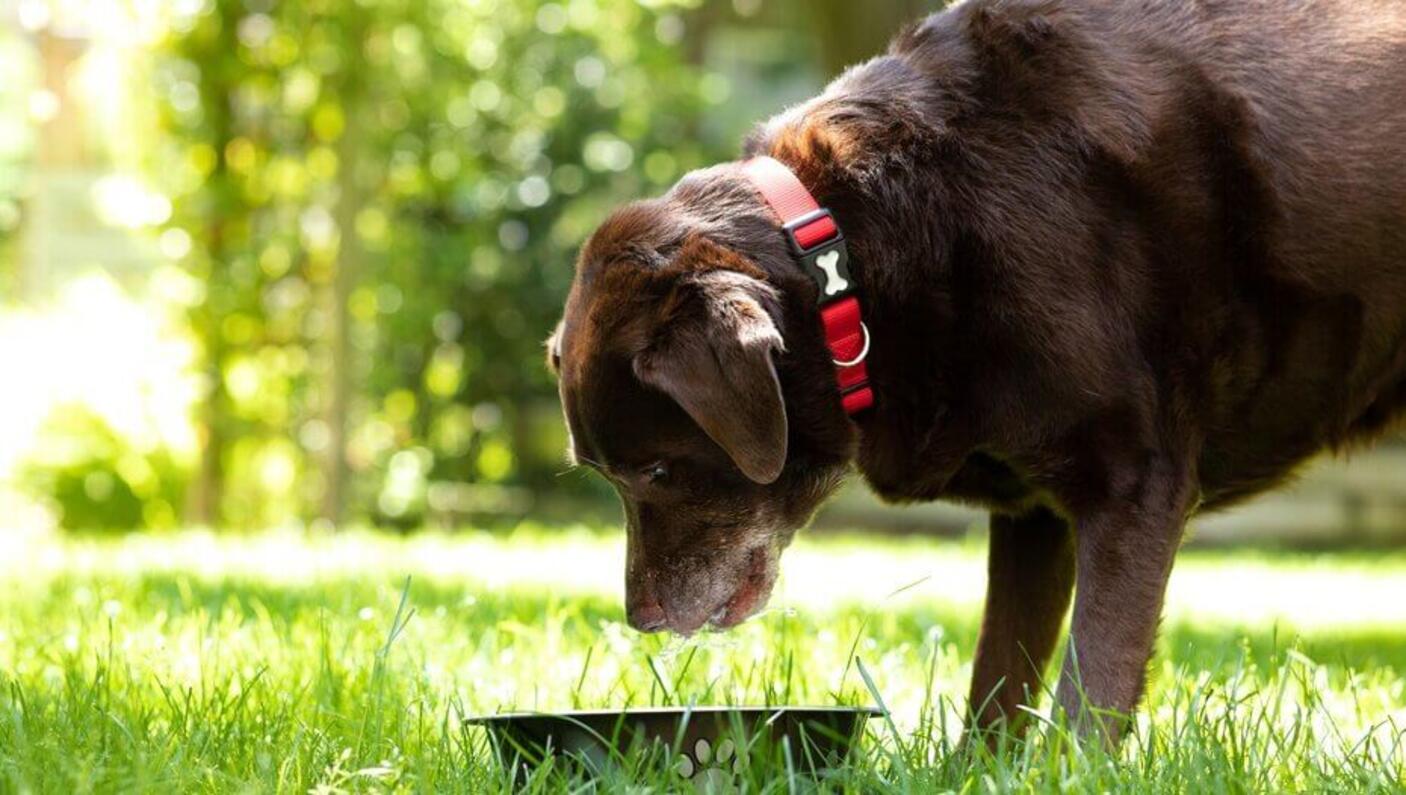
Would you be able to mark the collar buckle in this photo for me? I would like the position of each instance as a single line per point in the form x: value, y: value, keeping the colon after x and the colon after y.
x: 820, y: 247
x: 811, y: 230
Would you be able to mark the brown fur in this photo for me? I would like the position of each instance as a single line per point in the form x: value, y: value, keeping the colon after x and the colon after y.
x: 1121, y: 261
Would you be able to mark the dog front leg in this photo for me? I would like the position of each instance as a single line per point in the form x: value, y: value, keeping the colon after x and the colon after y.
x: 1030, y: 577
x: 1124, y: 550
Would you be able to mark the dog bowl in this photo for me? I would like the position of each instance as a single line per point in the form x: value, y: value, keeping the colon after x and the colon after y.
x: 707, y: 746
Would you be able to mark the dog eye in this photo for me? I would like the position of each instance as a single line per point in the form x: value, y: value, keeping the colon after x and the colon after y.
x: 656, y: 472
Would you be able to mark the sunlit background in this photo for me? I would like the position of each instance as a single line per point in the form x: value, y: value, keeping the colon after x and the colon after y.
x: 290, y: 263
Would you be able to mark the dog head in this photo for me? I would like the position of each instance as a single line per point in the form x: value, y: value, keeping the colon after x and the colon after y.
x: 682, y: 372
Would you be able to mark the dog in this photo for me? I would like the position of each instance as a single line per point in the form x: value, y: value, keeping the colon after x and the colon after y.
x: 1119, y: 262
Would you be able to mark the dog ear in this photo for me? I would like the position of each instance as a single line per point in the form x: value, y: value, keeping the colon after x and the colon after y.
x: 553, y: 347
x: 712, y: 354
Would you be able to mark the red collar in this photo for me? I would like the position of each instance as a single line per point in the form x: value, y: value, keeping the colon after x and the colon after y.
x: 820, y: 248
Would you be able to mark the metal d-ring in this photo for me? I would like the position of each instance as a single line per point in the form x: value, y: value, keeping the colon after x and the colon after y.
x: 863, y: 353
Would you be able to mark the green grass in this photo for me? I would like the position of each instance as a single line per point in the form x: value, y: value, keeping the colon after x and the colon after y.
x: 276, y: 663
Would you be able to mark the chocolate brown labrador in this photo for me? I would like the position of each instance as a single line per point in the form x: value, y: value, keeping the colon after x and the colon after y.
x: 1121, y: 262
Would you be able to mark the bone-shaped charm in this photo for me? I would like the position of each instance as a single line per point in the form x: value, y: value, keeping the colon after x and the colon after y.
x: 830, y: 263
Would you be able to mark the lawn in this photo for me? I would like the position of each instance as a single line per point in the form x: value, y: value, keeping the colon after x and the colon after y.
x: 276, y: 662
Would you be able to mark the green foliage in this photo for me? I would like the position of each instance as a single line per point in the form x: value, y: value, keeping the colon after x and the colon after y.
x: 290, y: 663
x: 97, y: 480
x: 383, y: 202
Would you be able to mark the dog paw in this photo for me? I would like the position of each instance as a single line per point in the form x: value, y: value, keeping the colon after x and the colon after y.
x: 711, y: 770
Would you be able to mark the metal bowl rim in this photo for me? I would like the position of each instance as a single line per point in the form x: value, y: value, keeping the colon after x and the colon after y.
x: 508, y: 717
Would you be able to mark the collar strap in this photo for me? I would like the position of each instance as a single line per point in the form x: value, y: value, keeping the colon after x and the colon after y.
x: 818, y: 245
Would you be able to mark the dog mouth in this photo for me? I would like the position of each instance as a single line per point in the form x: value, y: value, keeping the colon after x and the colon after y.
x: 751, y: 593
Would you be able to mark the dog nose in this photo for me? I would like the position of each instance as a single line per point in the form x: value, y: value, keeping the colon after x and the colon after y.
x: 647, y: 617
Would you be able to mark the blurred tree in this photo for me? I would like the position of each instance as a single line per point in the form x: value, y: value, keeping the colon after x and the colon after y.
x: 383, y: 201
x: 357, y: 176
x: 199, y: 85
x: 850, y: 32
